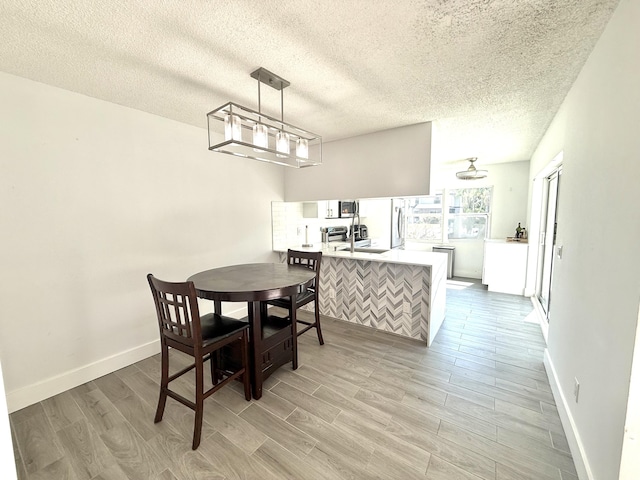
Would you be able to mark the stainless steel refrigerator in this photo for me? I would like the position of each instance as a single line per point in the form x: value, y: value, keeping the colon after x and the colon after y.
x: 398, y: 219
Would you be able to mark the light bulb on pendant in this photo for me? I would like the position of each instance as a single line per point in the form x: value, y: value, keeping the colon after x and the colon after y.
x: 282, y: 143
x: 302, y: 148
x: 232, y: 127
x: 260, y: 136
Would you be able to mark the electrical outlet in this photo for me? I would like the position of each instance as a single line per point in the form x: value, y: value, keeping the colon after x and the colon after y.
x: 332, y: 293
x: 576, y: 389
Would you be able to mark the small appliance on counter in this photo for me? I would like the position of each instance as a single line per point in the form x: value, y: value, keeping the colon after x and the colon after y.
x: 362, y: 232
x: 334, y: 234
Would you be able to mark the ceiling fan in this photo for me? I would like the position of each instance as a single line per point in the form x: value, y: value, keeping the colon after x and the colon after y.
x: 472, y: 173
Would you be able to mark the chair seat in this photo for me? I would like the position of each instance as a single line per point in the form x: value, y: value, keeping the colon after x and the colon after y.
x: 215, y: 327
x: 301, y: 299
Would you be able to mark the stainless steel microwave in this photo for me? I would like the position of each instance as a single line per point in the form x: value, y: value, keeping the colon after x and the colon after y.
x: 347, y: 208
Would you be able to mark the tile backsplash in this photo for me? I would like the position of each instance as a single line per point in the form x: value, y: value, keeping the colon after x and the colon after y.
x: 289, y: 222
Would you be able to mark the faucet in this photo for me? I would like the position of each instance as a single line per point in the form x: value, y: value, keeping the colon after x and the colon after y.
x: 356, y: 213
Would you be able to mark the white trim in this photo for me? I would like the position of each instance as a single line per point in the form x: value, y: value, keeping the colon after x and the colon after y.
x: 36, y: 392
x: 542, y: 318
x: 568, y: 423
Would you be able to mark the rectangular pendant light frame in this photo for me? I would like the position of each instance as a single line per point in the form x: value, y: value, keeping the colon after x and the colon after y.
x: 244, y: 147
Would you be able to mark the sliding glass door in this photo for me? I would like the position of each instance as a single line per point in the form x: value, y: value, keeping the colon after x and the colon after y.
x: 549, y: 229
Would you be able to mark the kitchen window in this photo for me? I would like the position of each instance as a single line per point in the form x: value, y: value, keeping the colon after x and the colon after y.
x: 468, y: 213
x: 424, y: 218
x: 464, y: 211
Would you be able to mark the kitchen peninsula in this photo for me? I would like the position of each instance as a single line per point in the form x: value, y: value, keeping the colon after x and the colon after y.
x: 398, y: 291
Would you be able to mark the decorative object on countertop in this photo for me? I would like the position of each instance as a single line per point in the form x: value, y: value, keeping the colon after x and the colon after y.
x: 521, y: 235
x: 472, y: 173
x: 254, y: 135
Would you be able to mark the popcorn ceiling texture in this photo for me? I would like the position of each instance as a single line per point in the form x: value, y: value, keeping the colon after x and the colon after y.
x: 489, y: 74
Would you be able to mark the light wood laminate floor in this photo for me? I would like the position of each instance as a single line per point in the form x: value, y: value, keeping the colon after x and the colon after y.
x: 366, y: 405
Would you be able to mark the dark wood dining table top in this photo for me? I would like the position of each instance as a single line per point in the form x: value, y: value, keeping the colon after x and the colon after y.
x: 252, y: 282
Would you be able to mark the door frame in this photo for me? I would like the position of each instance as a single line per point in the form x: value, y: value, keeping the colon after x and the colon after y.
x: 537, y: 218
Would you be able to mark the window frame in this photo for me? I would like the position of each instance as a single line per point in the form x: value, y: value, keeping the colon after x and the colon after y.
x: 446, y: 215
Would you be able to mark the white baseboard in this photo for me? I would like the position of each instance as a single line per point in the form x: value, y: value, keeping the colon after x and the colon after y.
x: 467, y: 274
x: 570, y: 430
x: 37, y: 392
x: 539, y: 311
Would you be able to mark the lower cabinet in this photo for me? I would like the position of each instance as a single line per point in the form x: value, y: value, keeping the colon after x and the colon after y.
x: 505, y: 266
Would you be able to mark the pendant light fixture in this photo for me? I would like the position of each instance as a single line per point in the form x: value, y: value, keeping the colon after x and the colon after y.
x: 472, y: 173
x: 255, y: 135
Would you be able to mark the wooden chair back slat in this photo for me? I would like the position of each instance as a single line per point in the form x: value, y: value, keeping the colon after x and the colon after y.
x: 310, y: 260
x: 178, y: 314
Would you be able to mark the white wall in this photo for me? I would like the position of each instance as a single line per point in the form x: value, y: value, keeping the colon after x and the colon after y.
x: 389, y: 163
x: 94, y: 197
x: 7, y: 457
x: 596, y: 287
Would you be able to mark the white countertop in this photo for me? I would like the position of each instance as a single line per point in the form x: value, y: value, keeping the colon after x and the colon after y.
x: 407, y: 257
x: 508, y: 242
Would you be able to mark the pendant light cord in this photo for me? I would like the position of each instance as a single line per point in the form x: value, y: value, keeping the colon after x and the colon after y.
x: 282, y: 107
x: 259, y: 107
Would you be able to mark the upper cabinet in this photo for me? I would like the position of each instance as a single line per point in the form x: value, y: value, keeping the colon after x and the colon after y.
x: 310, y: 210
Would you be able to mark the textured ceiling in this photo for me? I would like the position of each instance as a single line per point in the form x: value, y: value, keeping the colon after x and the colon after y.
x: 489, y: 74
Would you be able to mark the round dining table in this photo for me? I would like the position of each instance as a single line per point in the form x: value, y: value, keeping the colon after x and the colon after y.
x: 256, y: 283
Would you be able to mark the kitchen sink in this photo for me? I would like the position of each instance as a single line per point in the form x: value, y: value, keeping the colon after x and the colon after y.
x: 370, y: 250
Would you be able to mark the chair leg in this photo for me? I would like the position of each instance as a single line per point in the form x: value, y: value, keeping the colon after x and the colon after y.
x: 197, y: 427
x: 246, y: 378
x: 164, y: 384
x: 318, y: 329
x: 214, y: 362
x: 294, y: 338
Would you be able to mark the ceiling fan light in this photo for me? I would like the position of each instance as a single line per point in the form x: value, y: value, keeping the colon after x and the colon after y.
x: 472, y: 173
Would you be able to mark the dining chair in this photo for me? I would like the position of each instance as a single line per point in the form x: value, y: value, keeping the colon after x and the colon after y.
x: 311, y: 260
x: 182, y: 328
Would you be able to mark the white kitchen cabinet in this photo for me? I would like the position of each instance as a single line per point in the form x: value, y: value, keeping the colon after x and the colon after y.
x: 505, y: 266
x: 331, y: 208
